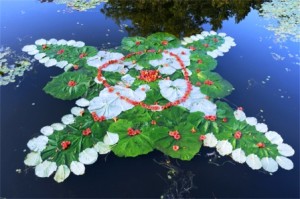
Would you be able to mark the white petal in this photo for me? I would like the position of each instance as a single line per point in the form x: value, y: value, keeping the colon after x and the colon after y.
x: 62, y: 173
x: 128, y: 79
x: 29, y: 48
x: 51, y: 62
x: 33, y: 159
x: 188, y: 40
x: 261, y: 127
x: 34, y: 52
x: 213, y: 54
x: 68, y: 67
x: 82, y: 102
x: 40, y: 42
x: 184, y: 43
x: 274, y: 137
x: 222, y: 34
x: 200, y: 37
x: 77, y: 168
x: 45, y: 169
x: 224, y: 147
x: 38, y: 144
x: 58, y: 126
x: 210, y: 140
x: 47, y: 130
x: 68, y: 119
x: 77, y: 111
x: 239, y: 115
x: 52, y: 41
x: 71, y: 42
x: 285, y: 150
x: 39, y: 56
x: 284, y: 163
x: 253, y: 162
x: 61, y: 42
x: 102, y: 148
x: 88, y: 156
x: 111, y: 138
x: 269, y: 164
x: 194, y: 38
x: 79, y: 44
x: 252, y: 121
x: 61, y: 64
x: 44, y: 60
x: 239, y: 155
x: 212, y: 32
x: 204, y: 33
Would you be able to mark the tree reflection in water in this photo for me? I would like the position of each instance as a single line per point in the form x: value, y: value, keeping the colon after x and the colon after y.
x: 178, y: 17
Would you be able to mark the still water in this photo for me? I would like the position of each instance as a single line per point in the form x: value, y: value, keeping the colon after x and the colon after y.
x: 263, y: 70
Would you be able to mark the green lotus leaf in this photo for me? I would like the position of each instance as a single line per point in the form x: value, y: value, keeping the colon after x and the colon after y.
x: 162, y: 40
x: 54, y: 151
x: 209, y: 43
x: 202, y: 62
x: 141, y: 116
x: 188, y: 144
x: 68, y: 86
x: 132, y: 146
x: 213, y: 85
x: 134, y: 44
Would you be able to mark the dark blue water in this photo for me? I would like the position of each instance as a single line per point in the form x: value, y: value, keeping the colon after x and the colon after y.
x: 247, y: 66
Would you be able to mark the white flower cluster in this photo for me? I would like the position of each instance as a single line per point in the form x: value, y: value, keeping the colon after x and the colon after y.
x: 253, y: 161
x: 86, y: 157
x: 224, y: 48
x: 47, y: 61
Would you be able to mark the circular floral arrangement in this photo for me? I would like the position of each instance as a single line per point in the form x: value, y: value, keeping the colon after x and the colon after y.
x: 154, y: 93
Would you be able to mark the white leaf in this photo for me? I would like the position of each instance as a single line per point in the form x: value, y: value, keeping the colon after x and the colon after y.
x: 224, y: 147
x: 47, y: 130
x: 61, y: 42
x: 68, y: 119
x: 77, y: 168
x: 40, y: 42
x: 71, y: 42
x: 51, y: 62
x: 285, y: 149
x: 274, y: 137
x: 252, y: 121
x: 111, y: 138
x: 79, y: 44
x: 62, y: 173
x: 29, y: 48
x: 39, y: 56
x: 34, y: 52
x: 269, y: 164
x: 239, y: 155
x: 88, y: 156
x: 284, y: 163
x: 239, y: 115
x: 33, y: 159
x: 253, y: 162
x: 61, y: 64
x: 44, y: 60
x: 45, y: 169
x: 102, y: 148
x: 58, y: 126
x: 210, y: 140
x: 82, y: 102
x: 52, y: 41
x: 77, y: 111
x: 38, y: 144
x: 261, y: 127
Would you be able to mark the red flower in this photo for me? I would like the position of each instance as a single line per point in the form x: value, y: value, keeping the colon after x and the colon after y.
x: 177, y: 136
x: 65, y: 144
x: 199, y: 61
x: 238, y: 135
x: 215, y: 40
x: 75, y: 66
x: 86, y: 132
x: 137, y: 43
x: 82, y: 55
x: 208, y: 82
x: 192, y: 48
x: 153, y: 122
x: 133, y: 132
x: 164, y: 42
x: 240, y: 108
x: 44, y: 46
x: 97, y: 118
x: 173, y: 133
x: 211, y: 118
x: 225, y: 120
x: 183, y: 53
x: 198, y: 70
x: 202, y: 137
x: 205, y: 45
x: 60, y: 52
x: 175, y: 147
x: 198, y: 83
x: 149, y: 75
x: 260, y: 145
x: 72, y: 83
x: 111, y: 89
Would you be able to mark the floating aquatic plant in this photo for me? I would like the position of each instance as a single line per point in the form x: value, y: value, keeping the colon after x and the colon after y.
x: 286, y: 16
x: 80, y: 5
x: 12, y: 66
x: 154, y: 93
